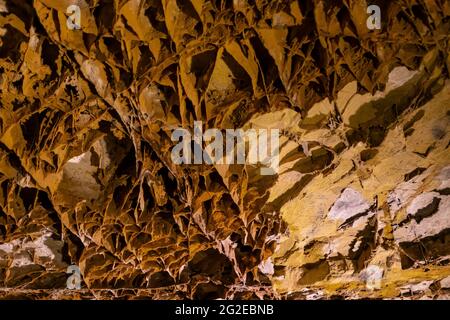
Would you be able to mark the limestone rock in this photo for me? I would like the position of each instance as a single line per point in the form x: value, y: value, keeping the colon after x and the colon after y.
x: 87, y: 178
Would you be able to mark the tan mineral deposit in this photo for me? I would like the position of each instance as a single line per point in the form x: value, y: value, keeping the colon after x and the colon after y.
x: 93, y: 205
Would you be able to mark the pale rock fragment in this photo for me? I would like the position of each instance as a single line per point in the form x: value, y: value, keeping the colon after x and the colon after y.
x: 350, y: 203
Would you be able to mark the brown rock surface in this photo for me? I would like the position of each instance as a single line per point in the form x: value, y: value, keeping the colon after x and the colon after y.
x: 359, y: 207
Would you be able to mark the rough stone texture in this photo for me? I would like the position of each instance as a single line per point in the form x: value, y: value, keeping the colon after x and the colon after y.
x: 359, y: 208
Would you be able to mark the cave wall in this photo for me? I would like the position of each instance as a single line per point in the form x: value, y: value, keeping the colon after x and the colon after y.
x: 86, y: 176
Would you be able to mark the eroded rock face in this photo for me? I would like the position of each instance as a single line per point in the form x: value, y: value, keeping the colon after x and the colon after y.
x: 360, y: 204
x: 388, y: 210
